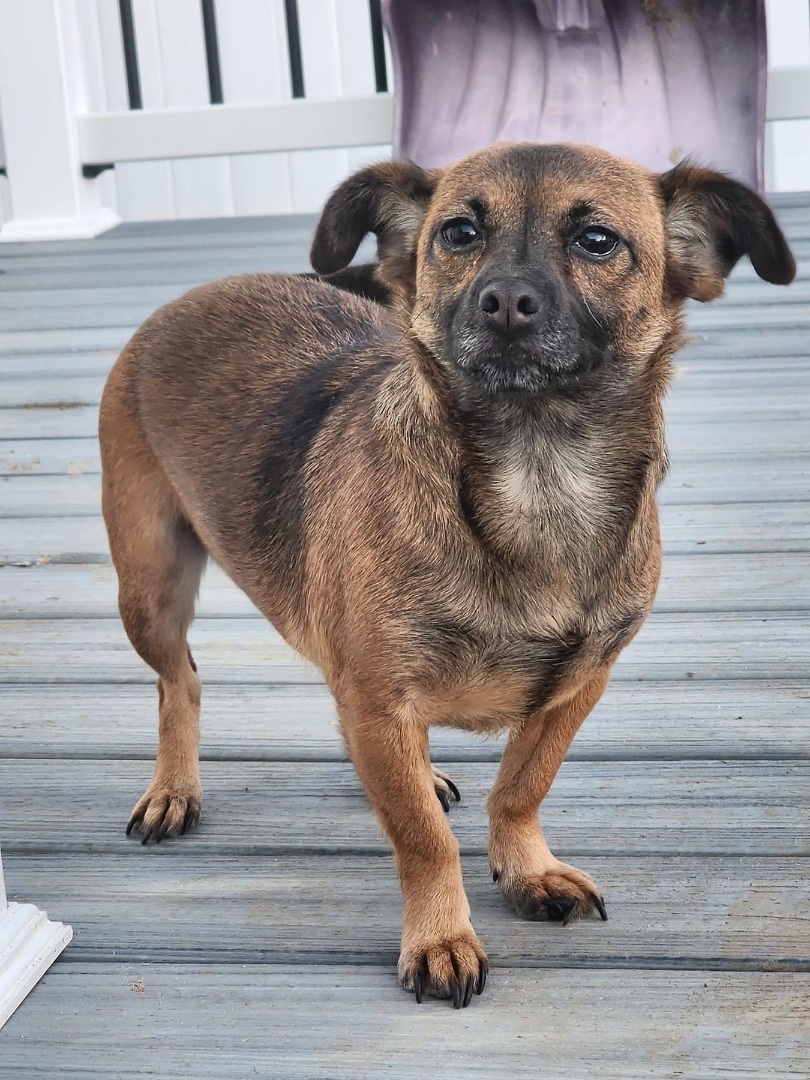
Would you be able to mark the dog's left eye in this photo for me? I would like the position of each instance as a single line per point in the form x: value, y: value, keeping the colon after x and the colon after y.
x: 460, y: 233
x: 597, y: 242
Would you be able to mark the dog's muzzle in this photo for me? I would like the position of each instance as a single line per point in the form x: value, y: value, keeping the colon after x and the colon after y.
x: 512, y: 338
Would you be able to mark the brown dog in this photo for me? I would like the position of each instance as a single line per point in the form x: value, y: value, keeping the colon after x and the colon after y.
x: 449, y: 507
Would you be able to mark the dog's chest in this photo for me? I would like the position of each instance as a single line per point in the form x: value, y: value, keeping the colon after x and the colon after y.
x: 546, y: 495
x: 491, y: 674
x: 544, y: 599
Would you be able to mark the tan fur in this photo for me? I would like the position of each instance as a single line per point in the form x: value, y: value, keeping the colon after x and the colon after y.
x: 445, y: 553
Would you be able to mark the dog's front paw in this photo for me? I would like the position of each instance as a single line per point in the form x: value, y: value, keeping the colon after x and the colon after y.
x: 454, y: 968
x: 166, y: 810
x: 561, y: 893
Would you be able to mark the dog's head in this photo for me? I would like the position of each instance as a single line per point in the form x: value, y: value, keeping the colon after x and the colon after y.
x: 524, y: 267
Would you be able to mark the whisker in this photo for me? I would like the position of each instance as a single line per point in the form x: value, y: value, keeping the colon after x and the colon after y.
x: 590, y: 312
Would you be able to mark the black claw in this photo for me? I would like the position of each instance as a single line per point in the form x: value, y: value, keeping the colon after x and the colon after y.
x: 496, y: 876
x: 161, y: 830
x: 468, y: 990
x: 443, y: 798
x: 455, y: 991
x: 600, y: 907
x: 417, y: 987
x: 454, y: 789
x: 555, y: 910
x: 146, y: 837
x: 482, y: 977
x: 570, y: 914
x: 131, y: 824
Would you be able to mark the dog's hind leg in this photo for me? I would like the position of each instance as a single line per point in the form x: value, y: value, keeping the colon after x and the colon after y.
x: 159, y: 562
x: 445, y: 789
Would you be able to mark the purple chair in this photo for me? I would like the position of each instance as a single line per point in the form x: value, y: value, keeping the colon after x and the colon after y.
x: 653, y: 80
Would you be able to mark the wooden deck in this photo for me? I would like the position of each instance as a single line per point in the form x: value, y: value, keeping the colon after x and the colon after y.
x: 265, y: 944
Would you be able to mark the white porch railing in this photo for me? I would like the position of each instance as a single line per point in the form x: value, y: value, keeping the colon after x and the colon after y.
x: 235, y: 129
x: 86, y: 84
x: 91, y: 61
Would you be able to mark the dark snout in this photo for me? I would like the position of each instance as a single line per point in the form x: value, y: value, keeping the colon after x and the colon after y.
x: 523, y: 332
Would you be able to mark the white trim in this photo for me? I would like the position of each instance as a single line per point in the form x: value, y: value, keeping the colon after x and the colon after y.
x: 73, y: 228
x: 29, y: 944
x: 788, y: 94
x: 235, y: 129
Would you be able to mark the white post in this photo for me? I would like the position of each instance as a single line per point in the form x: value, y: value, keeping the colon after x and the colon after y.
x: 42, y: 89
x: 29, y: 944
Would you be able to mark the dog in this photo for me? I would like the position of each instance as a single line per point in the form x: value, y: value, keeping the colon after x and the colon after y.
x: 447, y: 501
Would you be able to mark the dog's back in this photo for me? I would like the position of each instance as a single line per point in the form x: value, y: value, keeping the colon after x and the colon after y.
x: 219, y: 397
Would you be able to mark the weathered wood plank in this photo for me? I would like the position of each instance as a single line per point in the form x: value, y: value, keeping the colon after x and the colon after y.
x: 203, y: 231
x: 713, y: 341
x: 744, y: 289
x: 148, y: 271
x: 86, y: 651
x: 283, y: 248
x: 657, y: 721
x: 177, y: 905
x: 707, y: 512
x: 70, y: 422
x: 284, y: 251
x: 162, y: 250
x: 43, y: 366
x: 237, y: 1022
x: 726, y: 435
x: 694, y: 368
x: 112, y: 306
x: 118, y: 313
x: 97, y: 300
x: 709, y: 528
x: 51, y: 391
x: 710, y: 402
x: 691, y: 460
x: 268, y: 808
x: 759, y: 343
x: 675, y: 647
x: 696, y: 475
x: 199, y: 266
x: 688, y: 367
x: 768, y: 312
x: 50, y: 457
x: 84, y: 339
x: 93, y: 303
x: 52, y: 568
x: 57, y: 540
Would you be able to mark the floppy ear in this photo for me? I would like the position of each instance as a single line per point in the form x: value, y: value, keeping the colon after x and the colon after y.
x: 711, y: 222
x: 389, y: 200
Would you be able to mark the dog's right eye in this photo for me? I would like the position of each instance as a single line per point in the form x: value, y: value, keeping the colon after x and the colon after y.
x: 459, y: 233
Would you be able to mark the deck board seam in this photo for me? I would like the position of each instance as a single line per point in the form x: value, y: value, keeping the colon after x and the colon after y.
x: 387, y: 959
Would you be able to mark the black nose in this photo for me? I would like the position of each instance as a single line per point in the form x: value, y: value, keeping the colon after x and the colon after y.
x: 510, y: 305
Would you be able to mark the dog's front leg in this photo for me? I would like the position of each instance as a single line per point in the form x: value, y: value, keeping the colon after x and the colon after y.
x: 441, y: 954
x: 535, y: 883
